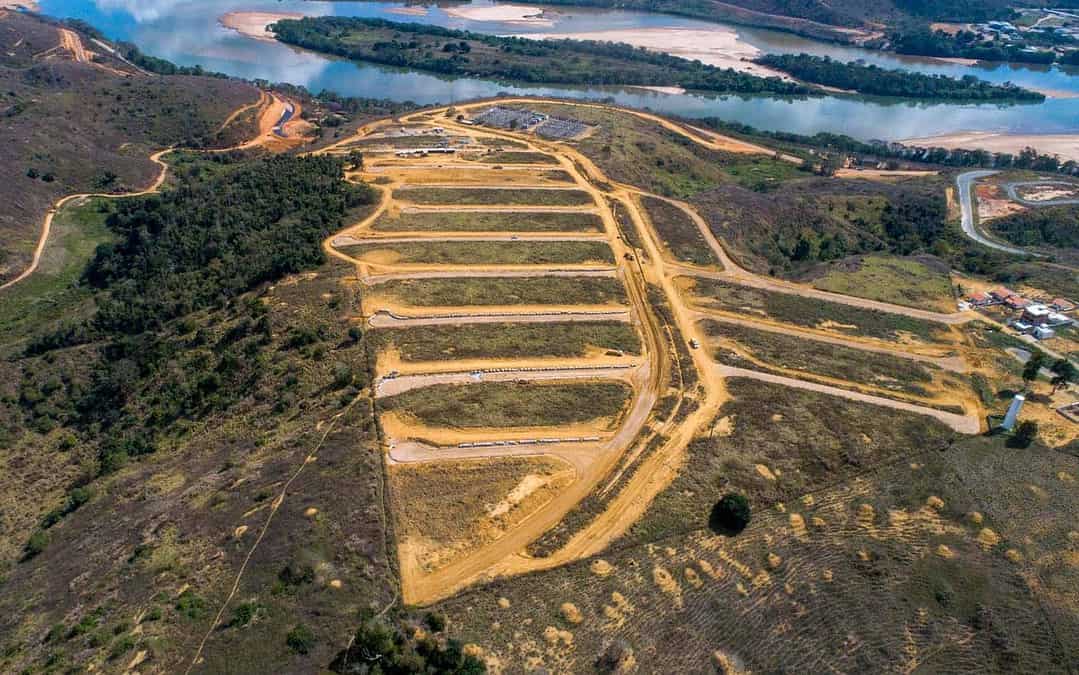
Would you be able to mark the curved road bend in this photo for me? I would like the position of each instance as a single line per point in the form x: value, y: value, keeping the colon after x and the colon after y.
x: 965, y: 182
x: 1013, y: 194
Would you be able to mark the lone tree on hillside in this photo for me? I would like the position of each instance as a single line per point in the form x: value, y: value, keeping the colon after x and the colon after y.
x: 1063, y: 373
x: 730, y: 515
x: 1033, y: 365
x: 1024, y: 435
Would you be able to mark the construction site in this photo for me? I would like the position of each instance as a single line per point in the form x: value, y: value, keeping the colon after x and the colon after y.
x: 490, y: 240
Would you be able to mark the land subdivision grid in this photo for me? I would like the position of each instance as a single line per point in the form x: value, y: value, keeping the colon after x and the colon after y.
x: 623, y: 511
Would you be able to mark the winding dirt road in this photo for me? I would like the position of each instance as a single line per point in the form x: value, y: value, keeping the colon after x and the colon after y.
x: 46, y: 227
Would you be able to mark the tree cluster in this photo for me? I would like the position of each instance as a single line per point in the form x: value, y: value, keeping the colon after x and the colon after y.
x: 1047, y: 226
x: 205, y: 242
x: 463, y: 53
x: 877, y: 81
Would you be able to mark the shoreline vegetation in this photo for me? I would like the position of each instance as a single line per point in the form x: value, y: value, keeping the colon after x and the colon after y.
x: 466, y: 54
x: 876, y: 81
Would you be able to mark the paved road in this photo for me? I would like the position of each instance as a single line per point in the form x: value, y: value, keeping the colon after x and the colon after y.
x: 964, y: 424
x: 965, y: 182
x: 1013, y: 194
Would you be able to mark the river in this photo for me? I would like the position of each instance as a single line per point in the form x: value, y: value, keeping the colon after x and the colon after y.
x: 187, y: 32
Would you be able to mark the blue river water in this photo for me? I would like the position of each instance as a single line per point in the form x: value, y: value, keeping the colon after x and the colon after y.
x: 188, y: 32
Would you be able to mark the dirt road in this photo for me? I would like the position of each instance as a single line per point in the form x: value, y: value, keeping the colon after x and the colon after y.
x: 387, y: 386
x: 386, y: 319
x: 47, y: 225
x: 603, y: 463
x: 72, y: 43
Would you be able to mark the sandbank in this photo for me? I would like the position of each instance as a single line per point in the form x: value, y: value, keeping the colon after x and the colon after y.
x: 1064, y: 145
x: 720, y: 46
x: 408, y: 11
x: 16, y: 4
x: 253, y: 24
x: 520, y: 14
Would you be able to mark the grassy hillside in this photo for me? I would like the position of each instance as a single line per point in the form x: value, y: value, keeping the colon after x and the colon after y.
x: 139, y: 464
x: 88, y: 127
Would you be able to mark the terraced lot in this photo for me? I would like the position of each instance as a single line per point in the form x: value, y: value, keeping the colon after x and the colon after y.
x: 485, y: 253
x: 488, y: 196
x: 508, y: 340
x: 811, y: 312
x: 791, y: 353
x: 480, y: 221
x: 509, y: 404
x: 555, y: 291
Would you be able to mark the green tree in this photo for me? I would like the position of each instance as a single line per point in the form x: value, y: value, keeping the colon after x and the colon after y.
x: 300, y: 639
x: 1033, y: 366
x: 730, y: 515
x: 1024, y: 434
x: 1063, y: 373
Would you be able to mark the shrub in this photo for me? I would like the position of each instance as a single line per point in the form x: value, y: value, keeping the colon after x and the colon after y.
x: 190, y: 605
x: 35, y: 544
x: 244, y: 614
x: 300, y: 639
x: 1024, y: 435
x: 730, y: 515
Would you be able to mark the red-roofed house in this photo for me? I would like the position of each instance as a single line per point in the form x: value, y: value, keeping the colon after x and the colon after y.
x: 980, y: 299
x: 1062, y: 305
x: 1002, y: 293
x: 1016, y: 302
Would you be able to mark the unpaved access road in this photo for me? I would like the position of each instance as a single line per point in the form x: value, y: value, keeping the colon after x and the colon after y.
x: 736, y: 274
x: 385, y: 319
x: 436, y: 237
x: 964, y: 424
x: 387, y: 386
x: 46, y: 227
x: 471, y: 273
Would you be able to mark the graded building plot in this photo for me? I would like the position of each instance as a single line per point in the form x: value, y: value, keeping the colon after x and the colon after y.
x: 492, y: 196
x: 481, y: 221
x: 507, y: 340
x: 497, y: 405
x: 895, y: 280
x: 773, y: 444
x: 679, y: 234
x: 466, y: 176
x: 899, y: 561
x: 811, y: 312
x: 511, y: 157
x: 443, y: 510
x: 765, y: 350
x: 484, y: 253
x: 553, y: 291
x: 643, y: 153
